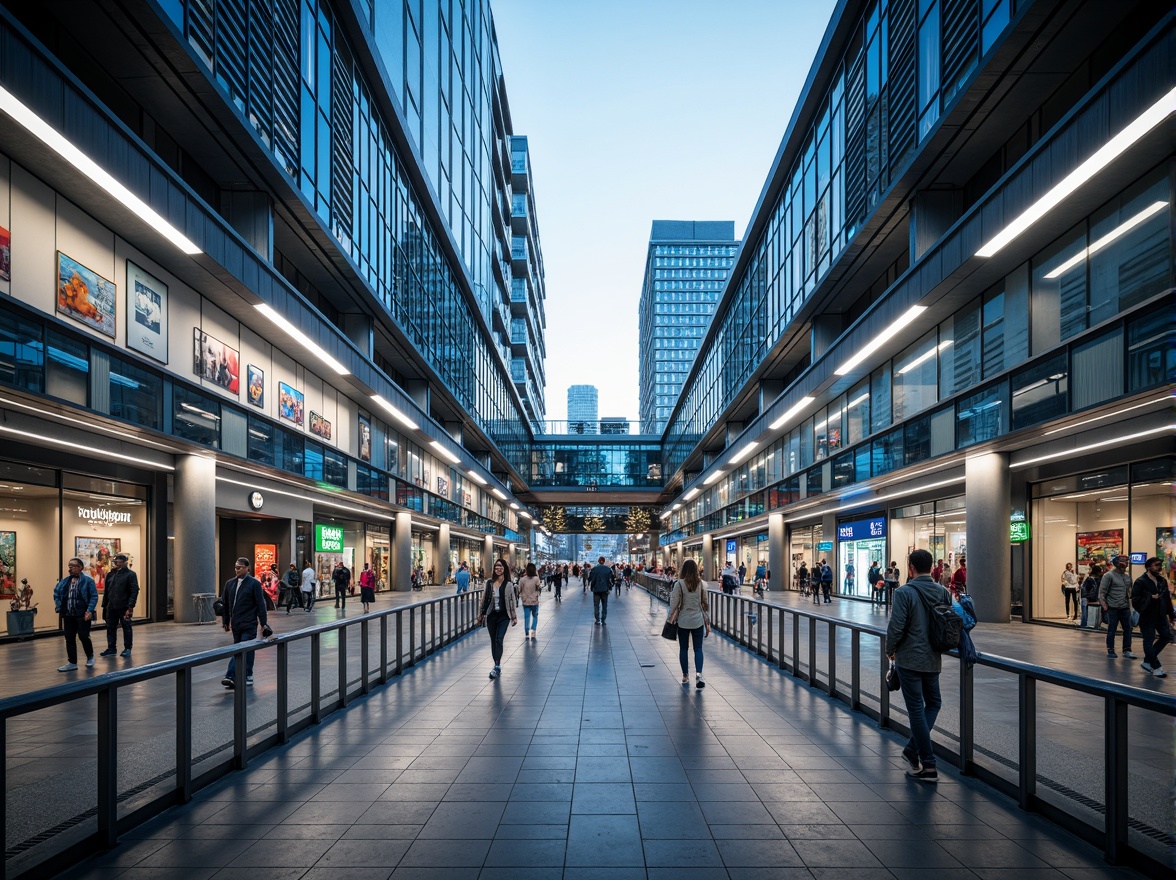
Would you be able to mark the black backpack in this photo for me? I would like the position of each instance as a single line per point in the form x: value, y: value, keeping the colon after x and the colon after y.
x: 943, y: 625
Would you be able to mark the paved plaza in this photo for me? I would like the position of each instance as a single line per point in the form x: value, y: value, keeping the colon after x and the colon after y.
x: 587, y: 759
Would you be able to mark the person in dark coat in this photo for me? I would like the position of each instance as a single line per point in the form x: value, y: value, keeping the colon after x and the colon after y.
x: 118, y: 605
x: 600, y: 578
x: 75, y: 597
x: 244, y: 608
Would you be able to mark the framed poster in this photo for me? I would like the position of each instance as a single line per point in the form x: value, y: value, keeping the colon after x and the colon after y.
x: 7, y: 564
x: 319, y: 426
x: 443, y: 487
x: 365, y: 439
x: 96, y: 554
x: 146, y: 313
x: 255, y: 386
x: 264, y: 555
x: 1098, y: 546
x: 84, y: 295
x: 5, y: 255
x: 467, y: 499
x: 216, y: 362
x: 1165, y: 549
x: 290, y: 404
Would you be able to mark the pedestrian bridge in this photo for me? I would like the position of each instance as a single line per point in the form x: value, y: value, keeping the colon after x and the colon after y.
x: 588, y: 759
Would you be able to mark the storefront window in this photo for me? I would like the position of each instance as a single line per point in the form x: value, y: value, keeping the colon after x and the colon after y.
x: 261, y: 441
x: 803, y: 550
x: 28, y: 537
x: 939, y: 527
x: 860, y: 542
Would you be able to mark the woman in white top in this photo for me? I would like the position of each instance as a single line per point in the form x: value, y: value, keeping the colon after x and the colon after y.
x: 530, y: 586
x: 498, y: 610
x: 1070, y: 590
x: 688, y: 609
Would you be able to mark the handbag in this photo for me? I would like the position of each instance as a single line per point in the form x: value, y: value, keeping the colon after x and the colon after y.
x: 670, y: 631
x: 892, y: 680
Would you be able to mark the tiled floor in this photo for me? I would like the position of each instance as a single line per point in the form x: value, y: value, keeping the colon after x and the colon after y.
x: 587, y: 759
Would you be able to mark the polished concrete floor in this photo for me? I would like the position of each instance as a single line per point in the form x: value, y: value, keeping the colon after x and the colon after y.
x: 587, y: 759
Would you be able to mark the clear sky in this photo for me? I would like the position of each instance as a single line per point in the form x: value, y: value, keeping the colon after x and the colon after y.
x: 637, y: 110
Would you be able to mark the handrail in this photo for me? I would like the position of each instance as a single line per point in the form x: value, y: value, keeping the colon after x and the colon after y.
x: 431, y: 624
x: 729, y: 616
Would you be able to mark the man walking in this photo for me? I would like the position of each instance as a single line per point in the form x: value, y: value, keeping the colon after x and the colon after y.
x: 1114, y: 596
x: 75, y: 597
x: 118, y: 605
x: 462, y: 578
x: 244, y: 608
x: 308, y: 586
x: 908, y: 645
x: 342, y: 578
x: 827, y: 581
x: 293, y: 587
x: 729, y: 578
x: 600, y: 580
x: 1151, y: 597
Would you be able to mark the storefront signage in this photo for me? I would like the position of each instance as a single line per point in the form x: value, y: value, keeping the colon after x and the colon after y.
x: 671, y: 537
x: 1138, y: 558
x: 511, y: 535
x: 861, y: 529
x: 824, y: 546
x: 103, y: 516
x: 761, y: 539
x: 328, y: 539
x: 732, y: 547
x: 1018, y: 532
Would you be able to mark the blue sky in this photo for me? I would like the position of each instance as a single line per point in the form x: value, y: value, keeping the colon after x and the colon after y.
x: 636, y: 111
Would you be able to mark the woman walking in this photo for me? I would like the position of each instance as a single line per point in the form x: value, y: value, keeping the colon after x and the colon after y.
x: 530, y: 586
x: 498, y: 610
x: 688, y: 609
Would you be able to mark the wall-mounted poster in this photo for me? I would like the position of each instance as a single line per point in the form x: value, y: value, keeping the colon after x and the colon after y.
x: 217, y: 363
x: 319, y: 426
x: 255, y: 385
x: 7, y: 565
x: 290, y: 404
x: 96, y: 554
x: 365, y: 439
x: 1098, y: 546
x: 264, y: 555
x: 146, y: 313
x: 443, y: 487
x: 467, y: 499
x: 1165, y: 549
x: 85, y: 295
x: 5, y: 255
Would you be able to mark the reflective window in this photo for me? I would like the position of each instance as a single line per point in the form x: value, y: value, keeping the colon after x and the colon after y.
x: 67, y: 374
x: 915, y: 378
x: 981, y: 416
x: 195, y: 416
x: 261, y: 439
x: 21, y: 353
x: 136, y: 395
x: 1040, y: 392
x: 1151, y: 350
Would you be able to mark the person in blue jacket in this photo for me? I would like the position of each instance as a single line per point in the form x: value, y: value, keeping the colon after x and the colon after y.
x: 75, y: 598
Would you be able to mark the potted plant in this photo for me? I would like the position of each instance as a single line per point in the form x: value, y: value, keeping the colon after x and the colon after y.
x: 20, y: 618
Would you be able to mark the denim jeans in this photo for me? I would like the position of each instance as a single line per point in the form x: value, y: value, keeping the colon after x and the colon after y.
x: 1156, y: 636
x: 920, y: 692
x: 1086, y: 606
x: 600, y: 606
x: 530, y: 617
x: 497, y: 622
x: 1120, y: 617
x: 246, y: 634
x: 685, y: 636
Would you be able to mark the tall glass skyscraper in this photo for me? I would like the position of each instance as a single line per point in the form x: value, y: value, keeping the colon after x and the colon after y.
x: 582, y: 409
x: 685, y: 273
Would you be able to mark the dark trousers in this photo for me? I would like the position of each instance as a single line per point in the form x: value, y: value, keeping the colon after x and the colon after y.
x: 685, y: 636
x: 600, y: 606
x: 340, y: 595
x: 558, y: 589
x: 826, y: 589
x: 1120, y: 617
x: 77, y: 628
x: 1071, y: 596
x: 246, y: 634
x: 116, y: 617
x: 497, y: 622
x: 920, y: 692
x: 293, y: 597
x: 1156, y: 636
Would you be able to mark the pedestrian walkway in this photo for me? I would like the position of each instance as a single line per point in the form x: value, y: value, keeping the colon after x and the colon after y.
x: 587, y: 759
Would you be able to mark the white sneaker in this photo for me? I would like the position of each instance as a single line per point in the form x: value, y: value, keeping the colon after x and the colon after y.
x: 698, y: 682
x: 68, y: 667
x: 1145, y: 666
x: 89, y: 662
x: 1129, y: 655
x: 1158, y: 672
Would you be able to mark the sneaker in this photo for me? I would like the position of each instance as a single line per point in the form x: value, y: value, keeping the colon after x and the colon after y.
x: 685, y: 681
x: 227, y: 682
x: 598, y: 623
x: 912, y: 759
x: 126, y: 652
x: 68, y: 667
x: 925, y: 774
x: 1146, y: 667
x: 1111, y: 655
x: 494, y: 673
x: 1129, y: 655
x: 109, y: 652
x: 89, y: 662
x: 249, y: 679
x: 698, y: 682
x: 1158, y: 672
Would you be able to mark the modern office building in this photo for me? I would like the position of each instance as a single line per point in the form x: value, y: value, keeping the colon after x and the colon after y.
x: 614, y: 425
x: 270, y: 286
x: 685, y: 271
x: 951, y: 324
x: 582, y: 409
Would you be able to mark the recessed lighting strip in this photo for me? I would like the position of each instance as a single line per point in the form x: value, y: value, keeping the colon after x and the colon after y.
x: 301, y: 338
x: 1116, y: 441
x: 743, y: 453
x: 63, y: 147
x: 793, y: 411
x: 88, y: 450
x: 397, y: 414
x: 1116, y: 233
x: 881, y: 339
x: 1110, y: 415
x: 444, y: 452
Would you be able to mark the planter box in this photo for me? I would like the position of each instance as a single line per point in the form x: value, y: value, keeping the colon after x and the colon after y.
x: 20, y: 623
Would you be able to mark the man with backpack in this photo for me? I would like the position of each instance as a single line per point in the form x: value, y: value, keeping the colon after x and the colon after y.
x: 826, y: 581
x: 921, y: 629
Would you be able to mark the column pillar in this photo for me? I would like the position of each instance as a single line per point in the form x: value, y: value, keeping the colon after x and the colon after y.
x: 679, y: 555
x: 194, y: 519
x: 488, y: 554
x: 400, y: 554
x: 777, y: 555
x: 708, y: 556
x: 443, y: 553
x: 988, y: 493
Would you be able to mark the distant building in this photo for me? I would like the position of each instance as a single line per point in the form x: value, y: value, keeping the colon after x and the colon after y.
x: 582, y: 409
x: 610, y: 425
x: 685, y: 271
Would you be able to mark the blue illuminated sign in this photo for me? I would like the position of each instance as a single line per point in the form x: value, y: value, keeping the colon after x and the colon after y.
x: 824, y: 546
x: 862, y: 529
x: 732, y: 547
x: 1138, y: 558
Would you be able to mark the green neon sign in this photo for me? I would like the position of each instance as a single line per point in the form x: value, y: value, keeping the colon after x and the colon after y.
x: 1018, y: 532
x: 328, y: 539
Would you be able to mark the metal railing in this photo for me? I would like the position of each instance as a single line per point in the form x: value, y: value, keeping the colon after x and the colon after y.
x: 790, y: 639
x: 404, y: 636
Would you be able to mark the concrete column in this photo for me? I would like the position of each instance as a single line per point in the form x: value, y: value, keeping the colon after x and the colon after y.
x: 988, y: 496
x: 488, y: 554
x: 400, y: 553
x: 194, y: 519
x: 778, y: 553
x: 442, y: 552
x: 708, y: 556
x: 680, y: 554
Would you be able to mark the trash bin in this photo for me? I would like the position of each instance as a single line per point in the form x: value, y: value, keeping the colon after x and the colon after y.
x: 204, y: 612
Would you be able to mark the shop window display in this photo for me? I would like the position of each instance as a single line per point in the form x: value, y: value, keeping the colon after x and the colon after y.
x: 939, y: 527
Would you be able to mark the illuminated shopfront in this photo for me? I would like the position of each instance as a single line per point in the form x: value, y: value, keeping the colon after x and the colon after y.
x: 860, y: 542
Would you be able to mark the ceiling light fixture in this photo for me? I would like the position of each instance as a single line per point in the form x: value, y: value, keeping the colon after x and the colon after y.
x: 743, y: 453
x: 691, y: 494
x: 88, y: 449
x: 396, y: 413
x: 793, y: 411
x: 1111, y: 150
x: 1069, y: 428
x: 301, y: 338
x: 880, y: 339
x: 923, y: 358
x: 1118, y: 232
x: 1091, y: 446
x: 65, y: 148
x: 476, y: 477
x: 499, y: 494
x: 444, y: 452
x: 712, y: 478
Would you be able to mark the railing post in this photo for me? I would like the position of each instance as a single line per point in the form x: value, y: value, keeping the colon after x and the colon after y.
x: 1027, y: 740
x: 342, y: 666
x: 831, y: 648
x: 240, y: 714
x: 795, y: 644
x: 424, y: 636
x: 365, y: 671
x: 759, y: 631
x: 399, y: 641
x: 316, y: 682
x: 433, y: 623
x: 780, y: 639
x: 107, y: 767
x: 383, y: 649
x: 184, y: 735
x: 812, y: 680
x: 855, y: 672
x: 411, y: 635
x: 771, y: 616
x: 967, y: 719
x: 1115, y: 775
x: 283, y: 701
x: 883, y: 692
